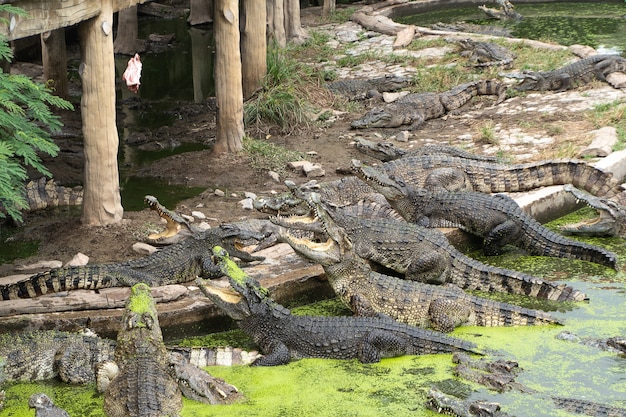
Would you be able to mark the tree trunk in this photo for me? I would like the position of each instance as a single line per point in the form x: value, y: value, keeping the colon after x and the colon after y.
x: 276, y: 22
x: 101, y: 201
x: 127, y: 32
x: 202, y: 64
x: 293, y: 27
x: 201, y: 12
x: 54, y: 59
x: 228, y: 90
x: 328, y: 7
x: 253, y: 46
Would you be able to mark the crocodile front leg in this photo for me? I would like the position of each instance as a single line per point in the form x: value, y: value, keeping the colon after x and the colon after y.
x: 447, y: 314
x: 503, y: 234
x: 375, y: 343
x: 275, y: 353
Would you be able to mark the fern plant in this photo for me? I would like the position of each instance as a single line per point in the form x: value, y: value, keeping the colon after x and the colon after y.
x: 26, y: 122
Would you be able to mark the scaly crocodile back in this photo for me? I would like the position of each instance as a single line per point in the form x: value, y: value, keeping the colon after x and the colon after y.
x: 490, y: 177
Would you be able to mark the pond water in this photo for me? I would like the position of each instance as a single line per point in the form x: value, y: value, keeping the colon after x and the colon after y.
x: 397, y: 387
x: 598, y: 24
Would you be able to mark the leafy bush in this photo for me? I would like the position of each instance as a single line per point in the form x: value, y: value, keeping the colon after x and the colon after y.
x: 25, y: 125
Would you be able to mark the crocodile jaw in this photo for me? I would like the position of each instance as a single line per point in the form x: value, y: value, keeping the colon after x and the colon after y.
x: 325, y: 253
x: 227, y: 299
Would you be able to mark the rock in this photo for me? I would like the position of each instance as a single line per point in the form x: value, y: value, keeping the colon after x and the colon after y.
x: 313, y: 170
x: 189, y: 218
x: 274, y: 176
x: 403, y: 136
x: 40, y: 265
x: 79, y: 259
x: 404, y: 37
x: 614, y: 163
x: 617, y: 79
x: 143, y: 248
x: 391, y: 97
x: 248, y: 194
x: 219, y: 192
x: 246, y: 203
x: 297, y: 165
x: 602, y: 143
x: 204, y: 226
x: 582, y: 51
x: 198, y: 215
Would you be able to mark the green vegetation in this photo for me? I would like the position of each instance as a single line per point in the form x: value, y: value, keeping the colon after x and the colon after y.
x: 611, y: 114
x: 25, y: 125
x: 267, y: 156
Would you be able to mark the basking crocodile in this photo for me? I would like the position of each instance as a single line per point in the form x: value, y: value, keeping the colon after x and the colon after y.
x: 178, y: 263
x: 611, y: 220
x: 472, y: 28
x: 485, y: 54
x: 423, y: 254
x: 387, y: 151
x: 362, y: 88
x: 594, y: 67
x: 144, y: 381
x: 449, y: 405
x: 454, y: 173
x: 371, y: 293
x: 45, y: 407
x: 415, y: 109
x: 497, y: 375
x: 497, y: 218
x: 283, y: 336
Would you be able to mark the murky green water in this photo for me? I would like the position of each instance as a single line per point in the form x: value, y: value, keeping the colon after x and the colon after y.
x: 597, y: 24
x: 397, y: 387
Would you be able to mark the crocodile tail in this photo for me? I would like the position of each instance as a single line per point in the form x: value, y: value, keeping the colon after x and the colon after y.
x: 543, y: 242
x: 489, y: 313
x: 471, y: 274
x: 556, y: 172
x: 58, y: 280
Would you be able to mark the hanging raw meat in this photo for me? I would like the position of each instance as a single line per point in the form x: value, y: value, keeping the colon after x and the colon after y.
x: 133, y: 73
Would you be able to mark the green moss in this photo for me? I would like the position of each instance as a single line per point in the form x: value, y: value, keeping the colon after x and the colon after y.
x: 228, y: 266
x: 140, y: 300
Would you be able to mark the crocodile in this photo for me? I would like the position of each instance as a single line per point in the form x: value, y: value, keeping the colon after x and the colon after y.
x: 485, y: 54
x: 583, y: 71
x: 45, y: 407
x: 144, y: 380
x: 44, y: 193
x: 589, y: 408
x: 174, y: 264
x: 424, y: 254
x: 414, y: 109
x: 370, y: 293
x: 472, y: 28
x: 176, y: 226
x: 387, y: 151
x: 505, y: 12
x: 611, y: 219
x: 449, y: 405
x: 497, y: 375
x: 454, y: 174
x: 362, y: 88
x: 283, y: 336
x: 615, y: 344
x: 496, y: 218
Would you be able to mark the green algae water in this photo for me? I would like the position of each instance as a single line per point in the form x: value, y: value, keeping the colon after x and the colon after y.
x: 598, y: 24
x: 398, y: 386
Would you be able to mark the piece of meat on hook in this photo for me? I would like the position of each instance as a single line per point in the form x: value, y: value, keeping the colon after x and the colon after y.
x: 132, y: 74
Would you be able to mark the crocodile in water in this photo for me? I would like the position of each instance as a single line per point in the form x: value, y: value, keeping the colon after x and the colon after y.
x: 362, y: 88
x: 144, y: 381
x: 415, y: 109
x: 497, y: 218
x: 45, y: 407
x: 181, y: 262
x: 449, y: 405
x: 505, y: 12
x: 615, y: 344
x: 371, y: 293
x: 595, y: 67
x: 424, y: 254
x: 611, y: 219
x: 283, y: 336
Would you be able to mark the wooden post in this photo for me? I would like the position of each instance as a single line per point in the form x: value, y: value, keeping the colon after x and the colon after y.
x: 253, y: 46
x: 54, y: 59
x: 101, y: 202
x: 228, y: 89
